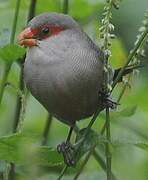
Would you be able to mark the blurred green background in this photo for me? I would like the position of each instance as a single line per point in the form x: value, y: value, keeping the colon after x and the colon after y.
x: 128, y: 162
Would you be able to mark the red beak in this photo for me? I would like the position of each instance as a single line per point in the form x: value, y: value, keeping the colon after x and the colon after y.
x: 26, y: 38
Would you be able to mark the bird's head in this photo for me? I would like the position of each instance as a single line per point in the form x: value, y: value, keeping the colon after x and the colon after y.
x: 44, y: 26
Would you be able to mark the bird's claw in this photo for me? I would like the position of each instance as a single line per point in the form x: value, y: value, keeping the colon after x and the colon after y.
x: 109, y: 103
x: 106, y: 101
x: 67, y: 149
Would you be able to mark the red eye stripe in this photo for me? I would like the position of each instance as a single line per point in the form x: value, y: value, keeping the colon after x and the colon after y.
x: 53, y: 30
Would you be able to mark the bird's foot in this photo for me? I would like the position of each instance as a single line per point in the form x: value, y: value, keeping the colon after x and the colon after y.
x: 67, y: 149
x: 106, y: 101
x: 109, y: 103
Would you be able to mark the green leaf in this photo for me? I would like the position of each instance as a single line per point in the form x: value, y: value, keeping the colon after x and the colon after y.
x: 47, y: 156
x: 117, y: 60
x: 127, y: 112
x: 86, y: 175
x: 90, y: 141
x: 142, y: 145
x: 88, y: 7
x: 121, y: 142
x: 10, y: 53
x: 21, y: 149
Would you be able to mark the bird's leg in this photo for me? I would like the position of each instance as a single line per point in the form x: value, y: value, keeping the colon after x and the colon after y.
x: 106, y: 101
x: 67, y: 149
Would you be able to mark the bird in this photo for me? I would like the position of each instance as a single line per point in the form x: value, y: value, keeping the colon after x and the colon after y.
x: 63, y: 68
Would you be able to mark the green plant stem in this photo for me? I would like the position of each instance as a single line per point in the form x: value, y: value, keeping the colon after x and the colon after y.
x: 8, y: 66
x: 128, y: 79
x: 47, y: 129
x: 21, y: 82
x: 84, y: 163
x: 18, y: 103
x: 108, y: 153
x: 32, y: 8
x: 107, y: 25
x: 11, y: 173
x: 6, y: 173
x: 130, y: 57
x: 106, y: 82
x: 62, y: 172
x: 103, y: 128
x: 96, y: 155
x: 4, y: 79
x: 15, y: 21
x: 92, y: 122
x: 105, y: 65
x: 65, y: 6
x: 100, y: 160
x: 89, y: 127
x: 123, y: 90
x: 16, y: 119
x: 80, y: 143
x: 19, y: 100
x: 102, y: 163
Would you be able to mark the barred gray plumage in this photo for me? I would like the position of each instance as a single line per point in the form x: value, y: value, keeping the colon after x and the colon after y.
x: 65, y: 72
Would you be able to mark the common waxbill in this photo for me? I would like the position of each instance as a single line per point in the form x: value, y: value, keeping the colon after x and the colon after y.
x: 64, y: 71
x: 63, y: 67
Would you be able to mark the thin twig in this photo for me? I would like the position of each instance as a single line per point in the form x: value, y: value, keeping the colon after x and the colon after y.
x: 7, y: 69
x: 62, y: 172
x: 12, y: 37
x: 135, y: 58
x: 91, y: 123
x: 21, y: 82
x: 84, y: 163
x: 141, y: 44
x: 106, y: 32
x: 65, y: 6
x: 47, y: 129
x: 130, y: 57
x: 8, y: 66
x: 82, y: 140
x: 106, y: 35
x: 31, y: 10
x: 18, y: 102
x: 19, y: 99
x: 102, y: 163
x: 96, y: 156
x: 80, y: 143
x: 108, y: 153
x: 100, y: 160
x: 123, y: 89
x: 4, y: 79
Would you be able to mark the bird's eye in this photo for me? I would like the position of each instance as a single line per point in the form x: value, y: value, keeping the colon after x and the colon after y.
x: 45, y: 30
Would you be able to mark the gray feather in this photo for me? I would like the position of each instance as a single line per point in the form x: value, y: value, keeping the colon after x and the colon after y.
x: 65, y: 74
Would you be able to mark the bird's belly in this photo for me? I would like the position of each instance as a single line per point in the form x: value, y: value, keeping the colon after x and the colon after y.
x: 67, y: 98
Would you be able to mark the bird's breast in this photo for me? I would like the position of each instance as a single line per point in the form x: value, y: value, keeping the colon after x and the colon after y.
x: 66, y: 85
